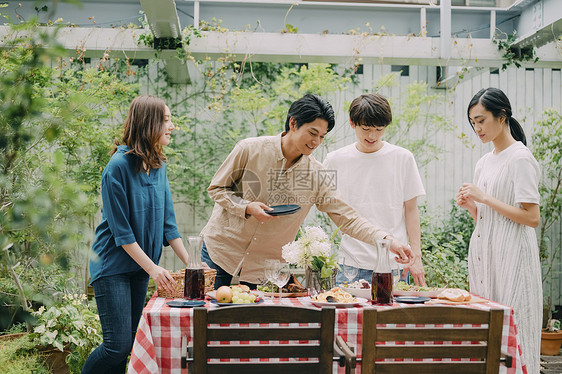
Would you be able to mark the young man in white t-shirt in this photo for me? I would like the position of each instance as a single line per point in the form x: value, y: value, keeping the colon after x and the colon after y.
x: 381, y: 181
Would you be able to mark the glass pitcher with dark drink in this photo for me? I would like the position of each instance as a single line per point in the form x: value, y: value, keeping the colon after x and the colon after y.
x: 194, y: 282
x: 381, y: 283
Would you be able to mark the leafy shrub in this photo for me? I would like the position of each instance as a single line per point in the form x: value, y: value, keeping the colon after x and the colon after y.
x: 445, y: 247
x: 73, y: 325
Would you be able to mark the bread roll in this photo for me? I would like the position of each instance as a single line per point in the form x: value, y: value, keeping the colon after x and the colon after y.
x: 453, y: 294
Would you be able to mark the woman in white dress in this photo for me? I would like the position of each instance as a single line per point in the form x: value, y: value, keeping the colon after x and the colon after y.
x: 504, y: 263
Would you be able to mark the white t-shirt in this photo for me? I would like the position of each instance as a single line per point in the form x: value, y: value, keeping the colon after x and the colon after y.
x: 376, y: 185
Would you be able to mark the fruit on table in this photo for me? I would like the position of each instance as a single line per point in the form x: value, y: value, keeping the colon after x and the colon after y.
x: 224, y: 294
x: 241, y: 295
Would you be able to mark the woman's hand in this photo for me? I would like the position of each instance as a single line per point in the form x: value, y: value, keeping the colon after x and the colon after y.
x: 257, y: 210
x: 163, y: 278
x: 469, y: 191
x: 464, y: 199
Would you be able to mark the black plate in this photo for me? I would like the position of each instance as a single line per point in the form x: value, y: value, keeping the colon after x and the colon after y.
x: 185, y: 303
x: 411, y: 299
x: 282, y: 210
x: 258, y: 301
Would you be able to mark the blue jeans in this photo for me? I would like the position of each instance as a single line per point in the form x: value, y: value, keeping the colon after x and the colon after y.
x: 367, y: 275
x: 120, y: 300
x: 223, y: 278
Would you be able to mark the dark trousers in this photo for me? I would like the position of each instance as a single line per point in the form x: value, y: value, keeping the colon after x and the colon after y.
x: 120, y: 300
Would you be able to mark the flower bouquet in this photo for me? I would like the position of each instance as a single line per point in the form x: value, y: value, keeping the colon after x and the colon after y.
x: 313, y: 252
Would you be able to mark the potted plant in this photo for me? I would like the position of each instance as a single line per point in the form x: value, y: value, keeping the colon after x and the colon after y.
x: 313, y: 252
x: 547, y: 141
x: 551, y: 338
x: 67, y: 332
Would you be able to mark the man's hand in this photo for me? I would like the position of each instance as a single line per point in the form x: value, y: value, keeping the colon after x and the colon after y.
x: 415, y: 267
x: 403, y: 251
x: 257, y: 210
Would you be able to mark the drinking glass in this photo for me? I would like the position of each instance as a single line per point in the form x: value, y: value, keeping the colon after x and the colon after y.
x: 282, y: 276
x: 350, y: 272
x: 271, y: 268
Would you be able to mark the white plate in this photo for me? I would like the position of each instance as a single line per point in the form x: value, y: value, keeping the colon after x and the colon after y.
x: 365, y: 293
x: 359, y: 301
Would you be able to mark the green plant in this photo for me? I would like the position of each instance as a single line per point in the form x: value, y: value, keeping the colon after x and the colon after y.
x: 36, y: 194
x: 412, y: 109
x: 57, y: 123
x: 445, y: 247
x: 71, y: 325
x: 513, y: 55
x: 19, y: 356
x: 546, y: 146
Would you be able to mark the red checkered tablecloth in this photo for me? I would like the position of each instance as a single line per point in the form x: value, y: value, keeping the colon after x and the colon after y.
x: 157, y: 347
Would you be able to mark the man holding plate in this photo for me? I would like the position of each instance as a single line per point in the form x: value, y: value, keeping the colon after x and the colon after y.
x: 268, y: 171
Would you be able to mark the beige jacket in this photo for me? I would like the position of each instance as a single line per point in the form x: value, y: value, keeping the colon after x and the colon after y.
x: 253, y: 171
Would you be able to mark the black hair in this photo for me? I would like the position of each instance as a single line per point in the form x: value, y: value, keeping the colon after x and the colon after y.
x: 370, y: 110
x: 308, y: 108
x: 497, y: 103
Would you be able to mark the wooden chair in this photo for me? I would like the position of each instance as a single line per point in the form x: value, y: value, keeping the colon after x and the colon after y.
x: 320, y: 332
x: 485, y: 356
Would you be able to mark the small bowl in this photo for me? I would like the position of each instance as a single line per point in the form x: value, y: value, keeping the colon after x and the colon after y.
x: 365, y: 293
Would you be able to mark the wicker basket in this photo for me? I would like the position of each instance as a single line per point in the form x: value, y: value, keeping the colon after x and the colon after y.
x: 179, y: 278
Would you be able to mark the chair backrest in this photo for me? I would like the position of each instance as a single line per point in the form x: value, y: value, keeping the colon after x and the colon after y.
x: 425, y: 336
x: 282, y: 343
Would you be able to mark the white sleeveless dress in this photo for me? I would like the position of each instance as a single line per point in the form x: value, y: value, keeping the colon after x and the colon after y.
x: 504, y: 263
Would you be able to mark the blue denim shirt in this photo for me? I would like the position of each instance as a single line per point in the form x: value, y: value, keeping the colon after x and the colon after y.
x: 136, y: 208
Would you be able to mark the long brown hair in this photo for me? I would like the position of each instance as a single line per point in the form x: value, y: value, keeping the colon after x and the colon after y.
x: 142, y: 130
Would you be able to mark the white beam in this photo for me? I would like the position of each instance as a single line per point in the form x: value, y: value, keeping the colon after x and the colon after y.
x: 445, y: 33
x: 162, y: 17
x: 277, y: 47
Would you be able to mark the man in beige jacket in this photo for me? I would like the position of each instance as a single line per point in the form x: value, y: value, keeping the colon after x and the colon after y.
x: 271, y: 170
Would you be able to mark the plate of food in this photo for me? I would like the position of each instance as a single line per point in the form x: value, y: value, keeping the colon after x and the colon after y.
x: 336, y: 297
x: 320, y: 304
x: 404, y: 289
x: 255, y: 302
x: 231, y: 294
x: 360, y: 288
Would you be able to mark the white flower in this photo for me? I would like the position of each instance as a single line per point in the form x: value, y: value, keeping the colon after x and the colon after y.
x: 316, y: 234
x: 313, y: 243
x: 320, y: 249
x: 293, y: 253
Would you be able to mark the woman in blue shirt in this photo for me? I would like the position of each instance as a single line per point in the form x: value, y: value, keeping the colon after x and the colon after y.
x: 137, y: 220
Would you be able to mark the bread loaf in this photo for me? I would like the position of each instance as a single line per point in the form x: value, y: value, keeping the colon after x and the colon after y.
x: 454, y: 294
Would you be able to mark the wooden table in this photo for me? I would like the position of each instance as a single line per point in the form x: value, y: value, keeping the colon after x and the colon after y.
x: 157, y: 347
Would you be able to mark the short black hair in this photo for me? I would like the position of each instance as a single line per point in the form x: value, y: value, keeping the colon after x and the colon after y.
x: 370, y: 110
x: 308, y: 108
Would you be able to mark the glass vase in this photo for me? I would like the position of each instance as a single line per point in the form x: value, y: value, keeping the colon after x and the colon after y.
x: 316, y: 284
